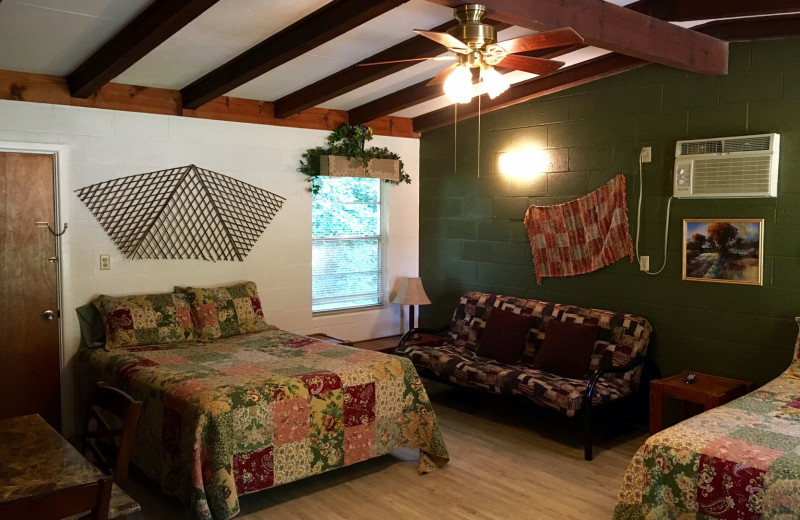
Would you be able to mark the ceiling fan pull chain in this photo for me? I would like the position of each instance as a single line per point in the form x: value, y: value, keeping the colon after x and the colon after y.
x: 455, y: 138
x: 479, y: 136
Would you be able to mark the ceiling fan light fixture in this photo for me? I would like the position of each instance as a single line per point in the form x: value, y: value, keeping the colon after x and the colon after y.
x: 494, y: 82
x: 458, y: 85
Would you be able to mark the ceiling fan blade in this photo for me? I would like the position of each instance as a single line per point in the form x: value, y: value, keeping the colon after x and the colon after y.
x: 542, y: 40
x: 439, y: 78
x: 432, y: 58
x: 449, y: 41
x: 538, y: 66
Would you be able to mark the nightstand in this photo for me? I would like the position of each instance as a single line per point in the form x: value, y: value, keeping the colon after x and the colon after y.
x: 389, y: 343
x: 706, y: 392
x: 330, y: 339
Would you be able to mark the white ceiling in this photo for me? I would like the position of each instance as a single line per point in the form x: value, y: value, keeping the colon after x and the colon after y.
x: 55, y: 36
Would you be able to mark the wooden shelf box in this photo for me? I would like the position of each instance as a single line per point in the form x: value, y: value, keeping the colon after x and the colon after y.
x: 340, y: 166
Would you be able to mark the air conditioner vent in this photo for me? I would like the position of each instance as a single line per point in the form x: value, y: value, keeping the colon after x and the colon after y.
x: 731, y: 175
x: 744, y: 166
x: 731, y: 145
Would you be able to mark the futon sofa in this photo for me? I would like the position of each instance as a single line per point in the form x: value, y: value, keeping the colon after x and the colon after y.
x: 613, y: 370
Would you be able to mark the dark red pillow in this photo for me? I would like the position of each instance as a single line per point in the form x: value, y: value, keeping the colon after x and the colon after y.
x: 566, y: 349
x: 504, y: 336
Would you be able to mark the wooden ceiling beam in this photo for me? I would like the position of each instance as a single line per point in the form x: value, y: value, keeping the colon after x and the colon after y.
x: 585, y: 72
x: 688, y: 10
x: 147, y: 31
x: 356, y: 76
x: 321, y: 26
x: 615, y: 28
x: 394, y: 102
x: 53, y: 90
x: 747, y: 29
x: 421, y: 92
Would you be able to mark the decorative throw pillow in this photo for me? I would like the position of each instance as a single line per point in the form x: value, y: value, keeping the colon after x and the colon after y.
x: 226, y: 311
x: 504, y: 336
x: 145, y: 319
x: 567, y: 349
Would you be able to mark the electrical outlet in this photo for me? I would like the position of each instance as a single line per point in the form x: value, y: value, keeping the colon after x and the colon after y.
x: 105, y: 262
x: 647, y: 154
x: 644, y: 263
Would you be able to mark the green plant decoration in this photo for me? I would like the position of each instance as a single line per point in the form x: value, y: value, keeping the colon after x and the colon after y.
x: 347, y: 141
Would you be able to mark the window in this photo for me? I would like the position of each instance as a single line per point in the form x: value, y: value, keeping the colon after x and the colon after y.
x: 347, y: 244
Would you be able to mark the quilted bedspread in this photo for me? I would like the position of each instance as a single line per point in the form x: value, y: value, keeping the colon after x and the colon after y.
x: 737, y: 461
x: 254, y: 411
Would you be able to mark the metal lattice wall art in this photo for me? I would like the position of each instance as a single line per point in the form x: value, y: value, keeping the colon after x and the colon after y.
x: 182, y: 213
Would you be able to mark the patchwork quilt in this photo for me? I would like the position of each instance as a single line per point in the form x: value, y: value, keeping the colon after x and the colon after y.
x: 253, y: 411
x: 740, y: 461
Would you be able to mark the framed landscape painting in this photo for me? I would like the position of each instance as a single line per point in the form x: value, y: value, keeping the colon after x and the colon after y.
x: 723, y: 250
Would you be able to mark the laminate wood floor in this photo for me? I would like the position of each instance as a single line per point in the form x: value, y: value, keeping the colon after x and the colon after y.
x: 508, y: 460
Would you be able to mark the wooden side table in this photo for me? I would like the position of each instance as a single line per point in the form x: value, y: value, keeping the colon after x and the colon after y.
x: 331, y: 339
x: 707, y: 392
x: 388, y: 344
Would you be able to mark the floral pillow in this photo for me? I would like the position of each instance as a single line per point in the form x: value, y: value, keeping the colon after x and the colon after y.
x: 226, y: 311
x: 145, y: 319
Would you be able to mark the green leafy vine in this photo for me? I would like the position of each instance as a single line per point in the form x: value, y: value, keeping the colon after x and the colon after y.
x: 347, y: 141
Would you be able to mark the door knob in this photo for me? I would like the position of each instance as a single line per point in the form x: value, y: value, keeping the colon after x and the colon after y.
x: 49, y: 315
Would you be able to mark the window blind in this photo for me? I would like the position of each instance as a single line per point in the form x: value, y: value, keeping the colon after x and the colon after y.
x: 347, y: 243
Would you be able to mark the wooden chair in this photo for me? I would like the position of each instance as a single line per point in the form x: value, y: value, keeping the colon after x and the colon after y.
x: 94, y: 497
x: 111, y: 430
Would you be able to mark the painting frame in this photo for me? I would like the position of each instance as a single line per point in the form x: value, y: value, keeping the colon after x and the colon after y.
x: 745, y: 259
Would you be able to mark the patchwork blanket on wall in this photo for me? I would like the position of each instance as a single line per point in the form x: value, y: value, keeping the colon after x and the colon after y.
x: 580, y: 236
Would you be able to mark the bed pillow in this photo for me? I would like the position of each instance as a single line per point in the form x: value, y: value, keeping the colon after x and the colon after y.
x: 566, y: 349
x: 221, y: 312
x: 504, y: 337
x: 145, y: 319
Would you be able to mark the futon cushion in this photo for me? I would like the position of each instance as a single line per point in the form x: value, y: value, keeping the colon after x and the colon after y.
x: 463, y: 367
x: 145, y: 319
x: 566, y: 349
x: 221, y: 312
x: 504, y: 336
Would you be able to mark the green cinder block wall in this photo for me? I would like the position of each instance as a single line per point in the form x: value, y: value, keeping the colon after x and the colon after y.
x: 472, y: 235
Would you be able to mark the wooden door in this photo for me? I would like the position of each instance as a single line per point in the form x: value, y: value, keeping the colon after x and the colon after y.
x: 29, y: 343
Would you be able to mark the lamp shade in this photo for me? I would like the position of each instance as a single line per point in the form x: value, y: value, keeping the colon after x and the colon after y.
x: 411, y: 292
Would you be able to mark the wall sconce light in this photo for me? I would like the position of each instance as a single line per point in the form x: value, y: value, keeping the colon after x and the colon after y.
x: 525, y: 163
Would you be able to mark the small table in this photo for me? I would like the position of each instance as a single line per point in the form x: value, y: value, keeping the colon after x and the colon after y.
x: 706, y: 391
x: 35, y: 460
x: 331, y: 339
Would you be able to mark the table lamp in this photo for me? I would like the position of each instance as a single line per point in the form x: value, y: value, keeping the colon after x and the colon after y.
x: 411, y: 293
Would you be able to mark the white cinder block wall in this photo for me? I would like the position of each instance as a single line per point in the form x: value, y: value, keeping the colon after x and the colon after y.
x: 106, y: 144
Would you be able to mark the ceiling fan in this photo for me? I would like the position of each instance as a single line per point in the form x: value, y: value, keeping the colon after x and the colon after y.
x: 474, y: 45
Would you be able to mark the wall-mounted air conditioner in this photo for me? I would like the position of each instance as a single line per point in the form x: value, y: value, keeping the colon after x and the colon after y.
x: 744, y: 166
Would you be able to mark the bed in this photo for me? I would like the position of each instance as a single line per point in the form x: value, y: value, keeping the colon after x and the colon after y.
x: 740, y: 461
x: 248, y: 412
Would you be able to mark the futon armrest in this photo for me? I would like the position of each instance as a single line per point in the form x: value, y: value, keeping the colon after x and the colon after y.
x: 597, y: 374
x: 419, y: 330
